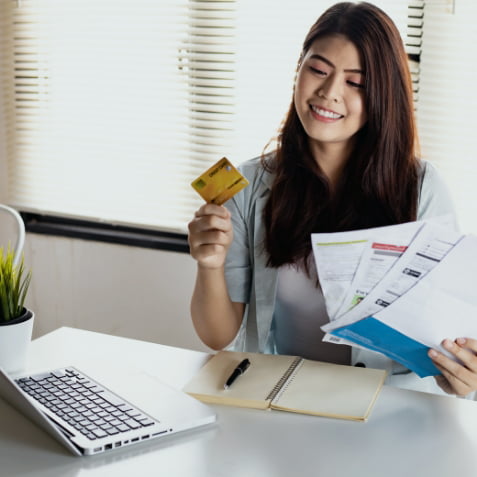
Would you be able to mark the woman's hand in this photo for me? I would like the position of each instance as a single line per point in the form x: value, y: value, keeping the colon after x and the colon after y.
x: 457, y: 377
x: 210, y: 235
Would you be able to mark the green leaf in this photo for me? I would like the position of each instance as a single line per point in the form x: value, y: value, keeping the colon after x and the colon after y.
x: 14, y: 284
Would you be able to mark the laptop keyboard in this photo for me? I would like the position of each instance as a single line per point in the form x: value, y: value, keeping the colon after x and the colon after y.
x: 83, y: 403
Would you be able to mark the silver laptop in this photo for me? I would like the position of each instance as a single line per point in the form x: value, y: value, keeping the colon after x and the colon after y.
x: 88, y: 418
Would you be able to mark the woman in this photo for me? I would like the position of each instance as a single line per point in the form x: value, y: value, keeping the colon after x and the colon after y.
x: 346, y: 159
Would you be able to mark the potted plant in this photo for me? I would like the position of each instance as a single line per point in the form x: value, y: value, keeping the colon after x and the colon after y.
x: 16, y: 321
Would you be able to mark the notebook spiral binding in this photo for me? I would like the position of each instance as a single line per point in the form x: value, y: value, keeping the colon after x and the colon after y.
x: 286, y: 376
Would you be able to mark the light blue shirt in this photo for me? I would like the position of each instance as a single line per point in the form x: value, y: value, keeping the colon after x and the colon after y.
x: 251, y: 281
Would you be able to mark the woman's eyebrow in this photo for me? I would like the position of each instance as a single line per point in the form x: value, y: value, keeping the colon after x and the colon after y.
x: 316, y: 56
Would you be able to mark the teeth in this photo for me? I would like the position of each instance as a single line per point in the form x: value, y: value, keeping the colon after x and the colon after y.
x: 326, y: 114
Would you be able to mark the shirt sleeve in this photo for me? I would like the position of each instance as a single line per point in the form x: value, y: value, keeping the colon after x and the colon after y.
x: 435, y: 198
x: 238, y: 265
x: 240, y: 257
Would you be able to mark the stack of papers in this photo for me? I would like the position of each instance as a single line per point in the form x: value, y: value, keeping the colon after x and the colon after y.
x: 399, y: 290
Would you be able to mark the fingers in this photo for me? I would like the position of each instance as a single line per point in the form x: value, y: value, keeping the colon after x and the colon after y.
x: 451, y: 383
x: 210, y: 235
x: 468, y: 344
x: 209, y: 223
x: 212, y: 209
x: 444, y: 384
x: 460, y: 375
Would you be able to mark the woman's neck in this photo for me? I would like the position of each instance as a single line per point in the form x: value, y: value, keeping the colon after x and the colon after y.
x: 332, y: 159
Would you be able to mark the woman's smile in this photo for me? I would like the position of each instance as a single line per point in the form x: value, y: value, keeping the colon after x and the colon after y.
x: 325, y: 115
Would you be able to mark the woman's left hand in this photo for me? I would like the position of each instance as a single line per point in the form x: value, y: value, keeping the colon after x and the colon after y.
x: 457, y: 377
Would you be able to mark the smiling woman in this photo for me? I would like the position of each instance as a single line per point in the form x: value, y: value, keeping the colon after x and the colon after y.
x: 346, y: 159
x: 330, y: 101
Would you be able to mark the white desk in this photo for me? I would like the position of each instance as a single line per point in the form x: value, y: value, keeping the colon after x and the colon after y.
x: 408, y: 433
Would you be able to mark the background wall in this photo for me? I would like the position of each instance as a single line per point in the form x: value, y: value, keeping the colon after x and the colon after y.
x: 126, y: 291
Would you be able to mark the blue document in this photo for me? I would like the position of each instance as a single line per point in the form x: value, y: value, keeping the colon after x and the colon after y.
x: 377, y: 336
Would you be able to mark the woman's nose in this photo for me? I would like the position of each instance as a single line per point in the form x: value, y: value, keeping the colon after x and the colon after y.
x: 330, y: 89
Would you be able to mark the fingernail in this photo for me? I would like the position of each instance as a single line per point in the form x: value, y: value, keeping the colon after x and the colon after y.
x: 432, y: 353
x: 448, y: 344
x: 461, y: 341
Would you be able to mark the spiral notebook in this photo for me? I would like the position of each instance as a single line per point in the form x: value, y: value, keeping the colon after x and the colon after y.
x: 289, y: 383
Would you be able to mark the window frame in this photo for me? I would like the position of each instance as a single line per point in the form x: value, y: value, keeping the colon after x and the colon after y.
x: 105, y: 232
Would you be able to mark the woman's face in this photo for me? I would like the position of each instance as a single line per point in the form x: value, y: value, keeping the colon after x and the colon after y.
x: 329, y: 92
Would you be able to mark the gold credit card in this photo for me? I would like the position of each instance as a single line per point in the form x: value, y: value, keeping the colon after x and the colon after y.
x: 219, y: 183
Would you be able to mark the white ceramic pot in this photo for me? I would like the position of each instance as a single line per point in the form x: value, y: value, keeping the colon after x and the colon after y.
x: 15, y: 337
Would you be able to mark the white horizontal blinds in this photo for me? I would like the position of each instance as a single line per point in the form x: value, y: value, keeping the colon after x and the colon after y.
x: 413, y: 38
x: 100, y: 109
x: 446, y: 115
x: 208, y: 57
x: 413, y: 42
x: 5, y: 94
x: 114, y: 107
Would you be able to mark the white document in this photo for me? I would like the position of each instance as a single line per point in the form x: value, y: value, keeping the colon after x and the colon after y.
x: 441, y: 305
x: 377, y: 259
x: 429, y: 247
x: 444, y: 304
x: 338, y: 255
x: 429, y: 294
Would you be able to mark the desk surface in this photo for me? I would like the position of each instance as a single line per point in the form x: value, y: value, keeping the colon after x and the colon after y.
x: 408, y: 433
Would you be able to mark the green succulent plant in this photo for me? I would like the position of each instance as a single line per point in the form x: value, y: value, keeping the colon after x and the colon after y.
x: 14, y: 283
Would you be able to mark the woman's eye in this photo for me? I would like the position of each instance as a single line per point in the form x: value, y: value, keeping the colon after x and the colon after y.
x: 355, y: 84
x: 317, y: 71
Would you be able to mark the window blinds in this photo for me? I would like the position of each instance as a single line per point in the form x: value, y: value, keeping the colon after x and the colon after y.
x: 113, y: 108
x: 447, y: 103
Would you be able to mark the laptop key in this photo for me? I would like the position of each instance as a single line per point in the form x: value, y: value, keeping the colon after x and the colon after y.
x: 99, y: 433
x: 111, y: 398
x: 112, y: 431
x: 132, y: 424
x: 40, y: 377
x: 98, y: 421
x: 146, y: 421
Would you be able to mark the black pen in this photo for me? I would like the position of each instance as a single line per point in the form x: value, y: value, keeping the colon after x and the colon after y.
x: 239, y: 370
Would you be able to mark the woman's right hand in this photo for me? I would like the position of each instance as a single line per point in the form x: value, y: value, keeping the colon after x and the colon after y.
x: 210, y: 235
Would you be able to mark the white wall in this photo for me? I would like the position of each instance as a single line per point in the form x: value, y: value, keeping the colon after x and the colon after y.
x: 126, y: 291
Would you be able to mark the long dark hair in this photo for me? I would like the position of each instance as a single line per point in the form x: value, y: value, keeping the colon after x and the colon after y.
x: 379, y: 184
